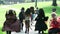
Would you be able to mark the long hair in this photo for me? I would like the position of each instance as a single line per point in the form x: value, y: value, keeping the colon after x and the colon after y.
x: 27, y: 12
x: 9, y: 14
x: 41, y: 13
x: 32, y: 10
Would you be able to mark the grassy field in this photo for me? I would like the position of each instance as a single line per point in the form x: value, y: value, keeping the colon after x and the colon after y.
x: 47, y: 6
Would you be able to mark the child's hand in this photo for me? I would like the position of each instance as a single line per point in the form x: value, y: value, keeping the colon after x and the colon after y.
x: 59, y: 26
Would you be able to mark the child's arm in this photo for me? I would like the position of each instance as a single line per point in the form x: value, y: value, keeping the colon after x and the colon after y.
x: 50, y: 22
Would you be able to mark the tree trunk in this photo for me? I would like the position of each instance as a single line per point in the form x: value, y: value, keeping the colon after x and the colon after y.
x: 32, y: 0
x: 36, y: 4
x: 54, y: 3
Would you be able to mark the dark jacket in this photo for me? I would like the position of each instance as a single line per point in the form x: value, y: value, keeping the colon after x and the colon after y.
x: 40, y: 24
x: 21, y: 16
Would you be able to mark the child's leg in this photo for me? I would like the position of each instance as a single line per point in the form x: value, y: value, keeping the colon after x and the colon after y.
x: 21, y: 24
x: 26, y: 30
x: 39, y: 32
x: 8, y: 32
x: 59, y: 33
x: 50, y: 32
x: 42, y: 32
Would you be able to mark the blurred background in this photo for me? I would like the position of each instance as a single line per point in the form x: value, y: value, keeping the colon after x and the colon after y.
x: 16, y: 5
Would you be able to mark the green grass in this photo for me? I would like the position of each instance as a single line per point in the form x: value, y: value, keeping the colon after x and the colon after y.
x: 45, y: 5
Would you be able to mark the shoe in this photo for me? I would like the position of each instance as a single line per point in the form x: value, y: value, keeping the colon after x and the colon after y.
x: 25, y: 31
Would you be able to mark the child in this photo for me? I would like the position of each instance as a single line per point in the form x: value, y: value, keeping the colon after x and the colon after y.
x: 54, y: 25
x: 27, y: 20
x: 40, y: 24
x: 11, y: 23
x: 32, y: 14
x: 21, y: 17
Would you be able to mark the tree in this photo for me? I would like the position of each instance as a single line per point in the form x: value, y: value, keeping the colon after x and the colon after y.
x: 54, y: 3
x: 36, y: 3
x: 1, y: 2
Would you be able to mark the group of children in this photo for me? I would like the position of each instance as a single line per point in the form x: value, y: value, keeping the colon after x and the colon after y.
x: 12, y: 24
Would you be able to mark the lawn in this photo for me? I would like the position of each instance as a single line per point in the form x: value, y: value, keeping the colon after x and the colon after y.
x: 45, y: 5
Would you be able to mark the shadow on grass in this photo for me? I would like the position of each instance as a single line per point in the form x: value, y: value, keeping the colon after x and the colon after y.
x: 1, y: 31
